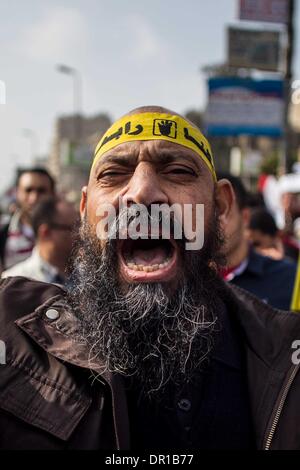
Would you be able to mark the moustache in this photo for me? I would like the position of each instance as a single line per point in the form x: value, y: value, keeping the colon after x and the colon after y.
x: 137, y: 221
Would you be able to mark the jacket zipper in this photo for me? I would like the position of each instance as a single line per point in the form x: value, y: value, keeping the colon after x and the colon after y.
x: 113, y: 412
x: 282, y: 400
x: 114, y: 419
x: 115, y: 426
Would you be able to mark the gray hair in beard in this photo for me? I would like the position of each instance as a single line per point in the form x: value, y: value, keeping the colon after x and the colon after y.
x: 145, y: 331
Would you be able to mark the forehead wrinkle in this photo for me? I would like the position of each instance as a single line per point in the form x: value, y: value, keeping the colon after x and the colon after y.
x: 164, y: 155
x: 125, y: 159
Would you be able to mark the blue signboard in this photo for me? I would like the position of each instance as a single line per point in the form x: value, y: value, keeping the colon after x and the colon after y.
x: 240, y: 106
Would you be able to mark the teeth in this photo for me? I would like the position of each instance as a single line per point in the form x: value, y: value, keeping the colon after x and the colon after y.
x: 147, y: 269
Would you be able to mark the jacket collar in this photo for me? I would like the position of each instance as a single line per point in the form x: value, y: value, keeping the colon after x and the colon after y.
x: 57, y: 334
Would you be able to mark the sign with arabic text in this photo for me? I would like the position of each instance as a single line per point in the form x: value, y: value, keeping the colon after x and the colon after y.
x: 240, y: 106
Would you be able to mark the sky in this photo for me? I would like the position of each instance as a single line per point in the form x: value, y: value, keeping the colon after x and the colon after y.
x: 128, y: 53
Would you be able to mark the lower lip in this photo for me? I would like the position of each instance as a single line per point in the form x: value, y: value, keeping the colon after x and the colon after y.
x: 163, y: 274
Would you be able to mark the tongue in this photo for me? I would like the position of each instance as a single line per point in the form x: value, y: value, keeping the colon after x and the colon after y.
x: 149, y: 257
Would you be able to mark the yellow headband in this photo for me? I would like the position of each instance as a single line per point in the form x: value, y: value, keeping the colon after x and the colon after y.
x: 156, y: 126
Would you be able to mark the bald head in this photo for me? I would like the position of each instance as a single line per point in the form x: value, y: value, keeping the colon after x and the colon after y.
x: 159, y: 110
x: 152, y: 109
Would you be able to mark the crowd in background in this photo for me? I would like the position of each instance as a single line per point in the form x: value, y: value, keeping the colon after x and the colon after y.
x: 36, y: 237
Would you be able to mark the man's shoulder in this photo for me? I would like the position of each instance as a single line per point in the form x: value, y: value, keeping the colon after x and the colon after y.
x: 21, y: 300
x: 275, y: 328
x: 20, y: 296
x: 267, y: 265
x: 37, y: 388
x: 280, y: 264
x: 22, y: 269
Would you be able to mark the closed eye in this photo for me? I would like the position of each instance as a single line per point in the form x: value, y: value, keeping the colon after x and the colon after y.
x: 180, y: 171
x: 112, y: 173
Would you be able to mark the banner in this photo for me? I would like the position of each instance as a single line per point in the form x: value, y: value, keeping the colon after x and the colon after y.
x: 249, y: 48
x: 273, y: 11
x: 295, y: 305
x: 246, y: 106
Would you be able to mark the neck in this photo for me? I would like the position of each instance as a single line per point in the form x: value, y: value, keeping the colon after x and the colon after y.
x: 24, y: 218
x: 238, y: 254
x: 50, y: 256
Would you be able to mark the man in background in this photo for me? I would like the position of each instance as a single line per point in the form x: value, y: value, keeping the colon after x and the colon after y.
x: 289, y: 190
x: 269, y: 279
x: 17, y: 237
x: 264, y: 234
x: 52, y: 221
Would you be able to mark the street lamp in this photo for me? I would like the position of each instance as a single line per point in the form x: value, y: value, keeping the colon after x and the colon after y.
x: 77, y: 85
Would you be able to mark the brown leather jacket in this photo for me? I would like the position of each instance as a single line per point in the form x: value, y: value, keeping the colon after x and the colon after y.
x: 46, y: 401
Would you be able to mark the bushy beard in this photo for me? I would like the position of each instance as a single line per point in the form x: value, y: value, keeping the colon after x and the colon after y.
x: 146, y: 331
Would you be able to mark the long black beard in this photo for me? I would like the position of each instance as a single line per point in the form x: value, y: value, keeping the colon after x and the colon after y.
x: 147, y: 332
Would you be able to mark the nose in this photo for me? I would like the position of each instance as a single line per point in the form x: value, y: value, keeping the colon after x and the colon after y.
x: 144, y: 187
x: 33, y: 198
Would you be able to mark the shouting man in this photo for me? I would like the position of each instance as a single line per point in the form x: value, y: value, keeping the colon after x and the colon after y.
x: 148, y: 348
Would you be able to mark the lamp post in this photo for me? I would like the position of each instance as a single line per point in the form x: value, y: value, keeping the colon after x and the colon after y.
x: 77, y: 97
x: 77, y: 85
x: 288, y: 146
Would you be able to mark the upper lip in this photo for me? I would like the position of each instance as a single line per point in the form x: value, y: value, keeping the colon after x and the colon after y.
x: 121, y: 243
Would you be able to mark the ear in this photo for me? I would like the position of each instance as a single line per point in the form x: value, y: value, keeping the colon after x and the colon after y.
x: 225, y: 199
x: 43, y: 232
x: 83, y: 202
x: 246, y: 213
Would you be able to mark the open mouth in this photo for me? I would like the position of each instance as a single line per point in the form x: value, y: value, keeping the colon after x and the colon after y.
x: 148, y: 259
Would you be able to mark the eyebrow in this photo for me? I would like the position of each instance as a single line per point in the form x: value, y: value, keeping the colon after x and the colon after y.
x: 163, y: 157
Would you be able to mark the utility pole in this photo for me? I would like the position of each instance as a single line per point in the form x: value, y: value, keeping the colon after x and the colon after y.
x: 77, y: 98
x: 288, y: 144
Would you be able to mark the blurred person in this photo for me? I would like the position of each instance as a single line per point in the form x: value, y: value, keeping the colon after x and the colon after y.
x: 17, y: 237
x: 289, y: 238
x: 148, y: 348
x: 269, y: 189
x: 282, y: 198
x: 296, y: 294
x: 289, y: 191
x: 264, y: 234
x: 269, y: 279
x: 52, y: 221
x: 255, y: 201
